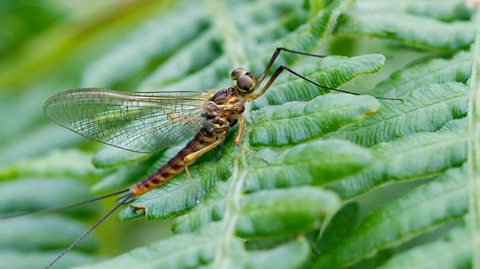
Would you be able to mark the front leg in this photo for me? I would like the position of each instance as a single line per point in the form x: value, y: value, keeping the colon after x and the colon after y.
x: 241, y: 128
x: 238, y: 139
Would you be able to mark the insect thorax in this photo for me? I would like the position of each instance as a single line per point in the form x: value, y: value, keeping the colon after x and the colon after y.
x: 224, y: 109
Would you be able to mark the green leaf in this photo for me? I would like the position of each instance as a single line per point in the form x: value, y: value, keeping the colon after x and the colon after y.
x: 173, y: 199
x: 290, y: 255
x: 198, y: 250
x: 35, y: 143
x: 423, y: 110
x: 23, y: 260
x: 180, y: 251
x: 425, y: 155
x: 425, y: 208
x: 314, y: 163
x: 276, y: 212
x: 121, y: 177
x: 108, y: 157
x: 28, y: 234
x: 473, y: 163
x: 444, y: 10
x: 297, y: 122
x: 411, y: 30
x: 274, y: 201
x: 33, y: 194
x: 331, y: 72
x: 458, y: 126
x: 421, y: 74
x: 153, y: 41
x: 455, y: 253
x: 70, y: 163
x: 338, y: 227
x: 131, y: 166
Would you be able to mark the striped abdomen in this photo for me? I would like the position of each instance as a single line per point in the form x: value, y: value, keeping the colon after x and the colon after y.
x: 175, y: 165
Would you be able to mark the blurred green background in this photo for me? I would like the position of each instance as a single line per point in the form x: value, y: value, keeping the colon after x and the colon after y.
x: 45, y: 46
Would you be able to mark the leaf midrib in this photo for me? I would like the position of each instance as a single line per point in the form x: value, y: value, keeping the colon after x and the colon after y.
x: 232, y: 210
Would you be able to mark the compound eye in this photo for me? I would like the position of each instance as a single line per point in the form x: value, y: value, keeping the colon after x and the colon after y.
x: 245, y: 83
x: 237, y: 72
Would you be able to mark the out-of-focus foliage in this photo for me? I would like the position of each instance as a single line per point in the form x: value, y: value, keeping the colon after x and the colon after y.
x: 19, y: 25
x: 350, y: 181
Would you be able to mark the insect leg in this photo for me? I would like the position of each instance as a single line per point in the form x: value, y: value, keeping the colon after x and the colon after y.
x: 282, y: 67
x: 241, y: 127
x: 238, y: 137
x: 275, y: 55
x: 195, y: 155
x: 252, y: 153
x: 190, y: 179
x: 269, y: 83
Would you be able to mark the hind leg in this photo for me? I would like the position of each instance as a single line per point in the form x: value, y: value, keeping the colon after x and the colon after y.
x: 195, y: 155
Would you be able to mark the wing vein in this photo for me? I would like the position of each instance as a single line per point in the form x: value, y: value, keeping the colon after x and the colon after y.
x: 141, y: 122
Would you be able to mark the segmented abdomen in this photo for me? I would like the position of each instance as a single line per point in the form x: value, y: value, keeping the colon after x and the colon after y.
x: 175, y: 165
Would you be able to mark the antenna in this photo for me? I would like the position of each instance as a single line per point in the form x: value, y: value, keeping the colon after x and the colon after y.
x: 122, y: 202
x: 48, y: 210
x: 283, y: 67
x: 334, y: 89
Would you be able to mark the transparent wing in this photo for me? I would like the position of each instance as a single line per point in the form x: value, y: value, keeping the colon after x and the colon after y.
x: 140, y: 122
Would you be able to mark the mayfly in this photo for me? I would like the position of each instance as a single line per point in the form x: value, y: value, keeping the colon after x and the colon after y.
x: 150, y: 121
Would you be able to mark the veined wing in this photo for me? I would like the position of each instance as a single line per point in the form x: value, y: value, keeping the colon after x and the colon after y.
x: 140, y: 121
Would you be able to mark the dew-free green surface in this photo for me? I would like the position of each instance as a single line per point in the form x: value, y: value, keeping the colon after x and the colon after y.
x: 297, y: 200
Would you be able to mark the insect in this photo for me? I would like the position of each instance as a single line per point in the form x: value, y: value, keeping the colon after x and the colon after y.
x: 150, y: 121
